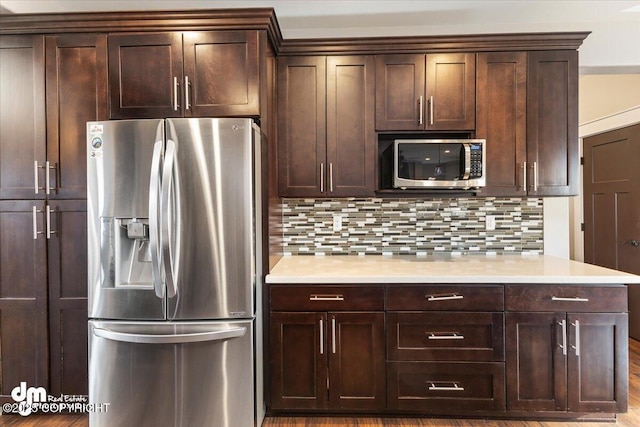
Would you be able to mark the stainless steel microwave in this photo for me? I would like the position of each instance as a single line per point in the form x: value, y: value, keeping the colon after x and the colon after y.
x: 439, y: 163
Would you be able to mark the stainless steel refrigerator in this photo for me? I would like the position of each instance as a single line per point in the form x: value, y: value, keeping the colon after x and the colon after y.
x: 174, y: 272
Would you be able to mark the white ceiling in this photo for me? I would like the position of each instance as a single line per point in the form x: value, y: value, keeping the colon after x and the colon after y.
x: 613, y: 46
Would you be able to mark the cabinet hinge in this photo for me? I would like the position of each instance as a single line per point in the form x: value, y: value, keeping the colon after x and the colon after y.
x: 327, y: 382
x: 582, y: 161
x: 582, y: 226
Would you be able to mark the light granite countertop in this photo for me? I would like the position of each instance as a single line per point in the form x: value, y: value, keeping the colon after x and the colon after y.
x: 532, y: 269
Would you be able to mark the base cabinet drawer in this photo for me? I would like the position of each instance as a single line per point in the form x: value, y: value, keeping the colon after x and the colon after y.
x: 327, y: 298
x: 574, y: 298
x: 445, y: 336
x: 445, y: 297
x: 445, y: 387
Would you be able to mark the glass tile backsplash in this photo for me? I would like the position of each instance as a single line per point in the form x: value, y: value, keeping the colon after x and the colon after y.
x: 412, y: 226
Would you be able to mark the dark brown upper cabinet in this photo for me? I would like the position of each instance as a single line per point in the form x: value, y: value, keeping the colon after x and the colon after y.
x: 425, y: 92
x: 22, y: 118
x: 501, y: 119
x: 552, y: 123
x: 526, y: 109
x: 192, y: 74
x: 76, y: 76
x: 326, y: 143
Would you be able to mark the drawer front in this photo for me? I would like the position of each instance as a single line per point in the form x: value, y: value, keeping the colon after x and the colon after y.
x: 445, y: 297
x: 445, y: 336
x: 327, y: 298
x: 445, y: 387
x: 571, y: 298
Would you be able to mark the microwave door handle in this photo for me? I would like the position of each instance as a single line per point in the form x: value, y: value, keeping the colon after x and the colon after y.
x: 155, y: 243
x: 467, y: 161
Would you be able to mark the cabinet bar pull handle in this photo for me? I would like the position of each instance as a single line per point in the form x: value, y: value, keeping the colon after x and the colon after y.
x: 575, y: 299
x: 453, y: 387
x: 186, y: 93
x: 443, y: 297
x: 321, y: 336
x: 331, y: 177
x: 49, y: 232
x: 563, y: 346
x: 577, y: 346
x: 333, y: 335
x: 35, y: 176
x: 535, y: 176
x: 47, y: 184
x: 37, y: 187
x: 319, y: 297
x: 35, y: 224
x: 175, y: 94
x: 421, y: 110
x: 431, y: 110
x: 524, y: 176
x: 322, y: 177
x: 451, y: 336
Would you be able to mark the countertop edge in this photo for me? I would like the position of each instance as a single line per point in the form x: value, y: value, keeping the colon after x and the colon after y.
x: 540, y: 280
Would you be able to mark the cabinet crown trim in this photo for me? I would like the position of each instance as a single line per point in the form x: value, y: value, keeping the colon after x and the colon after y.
x: 429, y: 44
x: 147, y: 21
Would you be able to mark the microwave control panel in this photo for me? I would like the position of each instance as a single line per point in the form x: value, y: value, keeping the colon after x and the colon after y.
x: 476, y: 161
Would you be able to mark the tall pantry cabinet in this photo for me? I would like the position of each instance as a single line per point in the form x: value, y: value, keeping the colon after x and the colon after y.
x: 51, y: 86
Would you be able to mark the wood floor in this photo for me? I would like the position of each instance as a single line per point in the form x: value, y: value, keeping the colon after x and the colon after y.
x: 630, y: 419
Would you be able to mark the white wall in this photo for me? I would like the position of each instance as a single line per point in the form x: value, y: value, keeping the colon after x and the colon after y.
x: 556, y: 226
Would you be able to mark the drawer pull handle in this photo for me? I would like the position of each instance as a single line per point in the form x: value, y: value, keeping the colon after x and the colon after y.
x: 453, y: 387
x: 326, y: 298
x: 443, y: 297
x: 449, y: 336
x: 574, y: 299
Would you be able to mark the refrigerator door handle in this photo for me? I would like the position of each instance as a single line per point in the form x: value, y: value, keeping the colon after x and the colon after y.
x: 169, y: 218
x: 154, y: 220
x: 171, y: 338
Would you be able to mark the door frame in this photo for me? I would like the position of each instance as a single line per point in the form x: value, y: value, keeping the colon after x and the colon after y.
x: 605, y: 124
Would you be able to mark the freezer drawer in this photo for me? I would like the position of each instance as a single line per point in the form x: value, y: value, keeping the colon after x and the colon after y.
x: 172, y: 374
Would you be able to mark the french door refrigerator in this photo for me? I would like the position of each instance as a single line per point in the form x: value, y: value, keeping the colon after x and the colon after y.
x: 174, y: 272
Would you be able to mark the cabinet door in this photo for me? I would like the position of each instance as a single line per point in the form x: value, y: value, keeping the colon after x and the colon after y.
x: 356, y: 361
x: 298, y: 360
x: 598, y: 362
x: 67, y: 260
x: 221, y: 71
x: 400, y: 103
x: 535, y: 363
x: 23, y: 296
x: 351, y: 138
x: 501, y: 119
x: 301, y: 126
x: 145, y: 75
x: 76, y: 74
x: 451, y: 91
x: 22, y: 122
x: 552, y: 123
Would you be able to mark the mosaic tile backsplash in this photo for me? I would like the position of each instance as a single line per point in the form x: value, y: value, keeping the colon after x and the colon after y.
x: 412, y: 226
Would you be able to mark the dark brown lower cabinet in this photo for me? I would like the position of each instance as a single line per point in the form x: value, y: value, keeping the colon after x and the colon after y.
x: 445, y: 387
x: 327, y: 360
x: 43, y: 338
x: 67, y: 266
x: 23, y: 296
x: 575, y: 362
